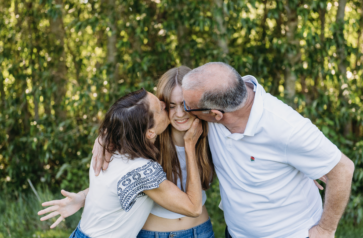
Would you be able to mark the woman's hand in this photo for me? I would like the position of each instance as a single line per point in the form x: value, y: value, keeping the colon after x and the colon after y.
x: 98, y: 162
x: 65, y: 207
x: 194, y: 132
x: 321, y: 179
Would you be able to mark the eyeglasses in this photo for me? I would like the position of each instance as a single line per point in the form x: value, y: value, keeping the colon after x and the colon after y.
x: 187, y: 109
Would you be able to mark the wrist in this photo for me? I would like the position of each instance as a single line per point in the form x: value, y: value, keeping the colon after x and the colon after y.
x: 325, y: 228
x: 189, y: 144
x: 82, y: 196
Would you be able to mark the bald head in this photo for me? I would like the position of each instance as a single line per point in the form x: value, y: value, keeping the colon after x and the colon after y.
x: 218, y: 85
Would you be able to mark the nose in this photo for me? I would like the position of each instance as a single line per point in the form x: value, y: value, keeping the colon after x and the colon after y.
x: 180, y: 111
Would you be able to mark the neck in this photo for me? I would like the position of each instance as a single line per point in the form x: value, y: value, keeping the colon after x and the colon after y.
x: 178, y: 137
x: 236, y: 121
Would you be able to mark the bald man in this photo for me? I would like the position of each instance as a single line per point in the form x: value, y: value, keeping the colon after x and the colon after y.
x: 266, y: 156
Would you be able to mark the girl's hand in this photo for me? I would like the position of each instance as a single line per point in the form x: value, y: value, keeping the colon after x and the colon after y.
x: 65, y: 207
x: 194, y: 132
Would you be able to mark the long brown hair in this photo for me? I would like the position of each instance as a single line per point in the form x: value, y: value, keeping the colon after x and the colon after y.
x: 125, y: 125
x: 168, y: 155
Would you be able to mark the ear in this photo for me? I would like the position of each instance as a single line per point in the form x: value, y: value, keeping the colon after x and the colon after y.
x: 150, y: 134
x: 217, y: 115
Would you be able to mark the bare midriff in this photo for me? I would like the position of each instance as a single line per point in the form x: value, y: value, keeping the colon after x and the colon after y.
x: 155, y: 223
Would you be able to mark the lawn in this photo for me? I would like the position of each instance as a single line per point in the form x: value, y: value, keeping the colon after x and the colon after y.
x: 19, y: 218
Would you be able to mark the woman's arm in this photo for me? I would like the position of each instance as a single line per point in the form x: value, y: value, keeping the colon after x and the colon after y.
x: 169, y: 196
x: 65, y: 207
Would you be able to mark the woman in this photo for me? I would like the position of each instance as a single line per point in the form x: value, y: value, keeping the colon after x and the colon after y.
x: 116, y: 204
x: 172, y: 158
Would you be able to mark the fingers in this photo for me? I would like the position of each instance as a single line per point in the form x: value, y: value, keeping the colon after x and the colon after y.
x: 51, y: 203
x: 318, y: 185
x: 195, y: 122
x: 49, y: 209
x: 53, y: 214
x: 98, y: 167
x: 105, y: 164
x: 56, y: 222
x: 324, y: 179
x: 67, y: 194
x: 94, y: 160
x: 194, y: 127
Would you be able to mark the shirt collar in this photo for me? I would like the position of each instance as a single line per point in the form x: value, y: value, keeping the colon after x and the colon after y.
x: 256, y: 110
x: 257, y: 107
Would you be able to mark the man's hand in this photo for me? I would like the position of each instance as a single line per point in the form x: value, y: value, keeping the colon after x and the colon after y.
x: 65, y: 207
x: 318, y: 232
x: 323, y: 179
x: 98, y: 162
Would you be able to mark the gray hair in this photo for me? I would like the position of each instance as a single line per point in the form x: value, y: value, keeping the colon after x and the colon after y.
x: 230, y: 97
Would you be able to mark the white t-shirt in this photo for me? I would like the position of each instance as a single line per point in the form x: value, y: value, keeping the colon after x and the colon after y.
x: 165, y: 213
x: 266, y: 174
x: 116, y: 205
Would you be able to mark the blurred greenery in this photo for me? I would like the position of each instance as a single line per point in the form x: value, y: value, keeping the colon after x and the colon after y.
x: 63, y: 62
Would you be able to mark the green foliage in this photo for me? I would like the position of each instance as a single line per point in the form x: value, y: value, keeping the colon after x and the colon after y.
x: 19, y: 217
x: 63, y: 62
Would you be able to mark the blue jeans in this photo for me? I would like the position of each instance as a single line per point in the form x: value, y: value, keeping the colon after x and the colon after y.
x: 78, y: 233
x: 202, y: 231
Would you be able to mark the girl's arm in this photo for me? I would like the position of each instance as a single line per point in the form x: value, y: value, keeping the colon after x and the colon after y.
x: 64, y: 207
x: 169, y: 196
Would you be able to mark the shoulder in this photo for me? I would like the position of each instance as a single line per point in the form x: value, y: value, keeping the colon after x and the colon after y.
x: 148, y: 175
x: 279, y: 112
x: 142, y: 168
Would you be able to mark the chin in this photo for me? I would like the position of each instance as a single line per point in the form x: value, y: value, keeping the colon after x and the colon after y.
x: 182, y: 128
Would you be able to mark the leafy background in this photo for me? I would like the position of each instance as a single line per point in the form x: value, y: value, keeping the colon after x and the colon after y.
x: 63, y: 63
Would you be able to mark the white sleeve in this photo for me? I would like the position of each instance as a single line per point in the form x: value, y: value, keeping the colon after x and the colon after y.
x: 309, y: 151
x: 131, y: 186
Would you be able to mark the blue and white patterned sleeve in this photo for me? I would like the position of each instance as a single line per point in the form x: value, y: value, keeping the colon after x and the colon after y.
x: 131, y: 186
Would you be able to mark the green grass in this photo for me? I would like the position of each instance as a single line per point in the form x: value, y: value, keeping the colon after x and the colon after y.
x: 19, y: 217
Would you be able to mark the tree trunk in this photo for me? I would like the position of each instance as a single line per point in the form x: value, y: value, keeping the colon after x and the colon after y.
x: 341, y: 55
x: 2, y: 91
x: 360, y: 36
x: 182, y: 34
x: 340, y: 41
x: 322, y: 17
x: 263, y: 23
x: 322, y: 13
x: 32, y: 28
x: 222, y: 39
x: 111, y: 57
x: 111, y: 40
x: 182, y: 37
x: 293, y: 55
x: 59, y: 69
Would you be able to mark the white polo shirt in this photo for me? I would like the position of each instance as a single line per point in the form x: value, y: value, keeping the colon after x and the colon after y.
x: 266, y: 174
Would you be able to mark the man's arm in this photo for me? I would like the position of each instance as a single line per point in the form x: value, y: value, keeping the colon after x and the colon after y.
x: 338, y: 186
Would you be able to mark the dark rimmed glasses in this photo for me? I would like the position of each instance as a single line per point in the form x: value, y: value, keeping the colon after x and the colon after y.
x: 187, y: 109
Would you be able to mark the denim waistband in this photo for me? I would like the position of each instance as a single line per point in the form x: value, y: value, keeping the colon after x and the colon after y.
x: 78, y: 233
x: 192, y: 232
